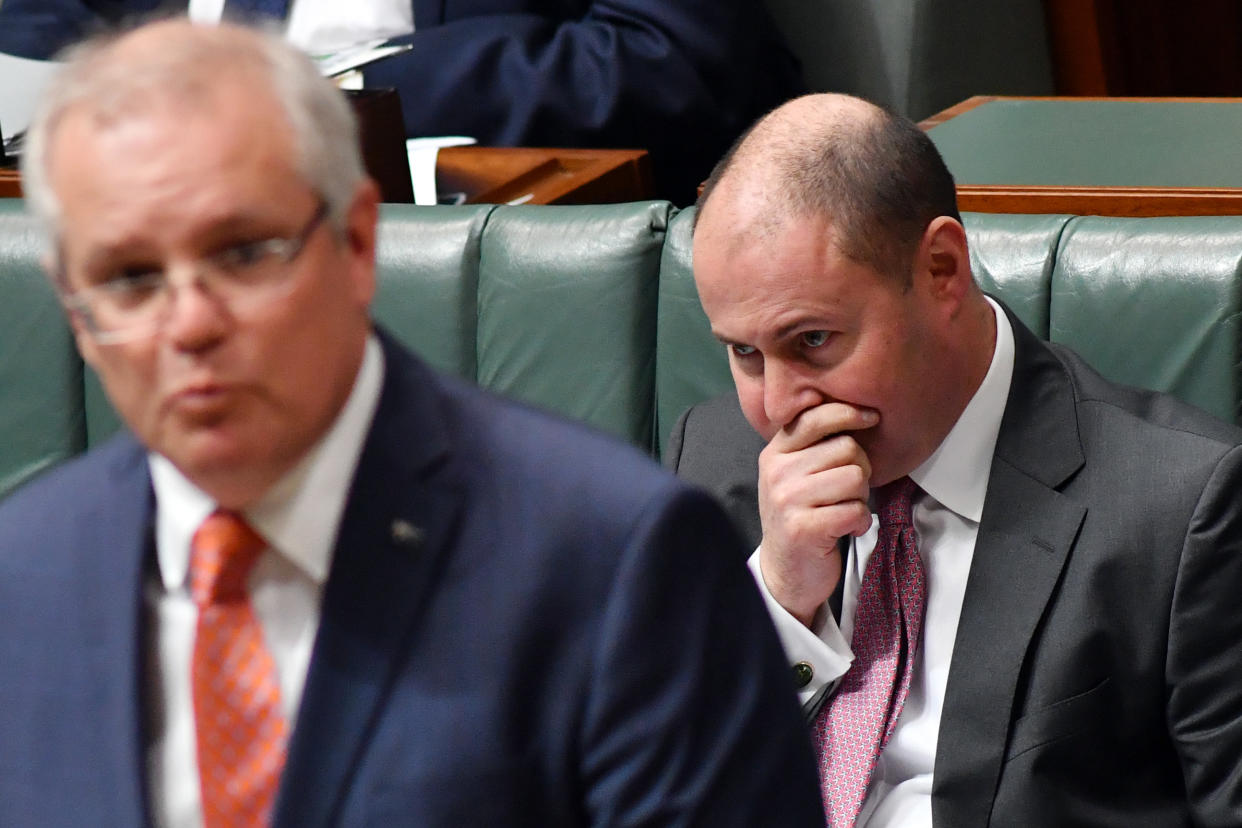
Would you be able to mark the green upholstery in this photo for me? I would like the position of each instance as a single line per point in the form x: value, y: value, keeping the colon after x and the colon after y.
x: 691, y: 364
x: 101, y: 417
x: 567, y: 310
x: 1155, y: 303
x: 41, y: 417
x: 1012, y: 257
x: 427, y: 277
x: 591, y: 311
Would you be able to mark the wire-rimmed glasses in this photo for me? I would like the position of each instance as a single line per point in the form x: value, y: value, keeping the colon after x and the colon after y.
x: 133, y: 304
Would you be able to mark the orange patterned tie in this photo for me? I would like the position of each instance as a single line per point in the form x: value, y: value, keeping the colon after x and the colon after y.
x: 240, y: 725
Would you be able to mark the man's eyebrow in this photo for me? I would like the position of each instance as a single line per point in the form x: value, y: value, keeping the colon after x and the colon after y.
x: 784, y: 331
x: 239, y: 223
x: 809, y: 323
x: 106, y: 254
x: 724, y: 340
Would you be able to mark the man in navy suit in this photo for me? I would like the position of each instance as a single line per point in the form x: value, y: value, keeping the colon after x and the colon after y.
x: 680, y: 78
x: 452, y: 611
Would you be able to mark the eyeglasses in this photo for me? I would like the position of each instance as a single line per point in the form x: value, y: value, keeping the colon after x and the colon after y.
x: 133, y: 304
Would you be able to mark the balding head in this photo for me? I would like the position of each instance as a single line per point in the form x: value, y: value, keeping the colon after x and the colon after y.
x: 876, y: 178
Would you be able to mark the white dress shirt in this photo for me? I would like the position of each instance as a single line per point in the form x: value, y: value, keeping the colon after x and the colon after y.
x: 323, y: 26
x: 953, y: 482
x: 299, y: 518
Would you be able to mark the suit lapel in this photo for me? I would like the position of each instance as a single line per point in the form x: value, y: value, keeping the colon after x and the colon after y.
x: 396, y: 528
x: 113, y: 571
x: 1025, y: 535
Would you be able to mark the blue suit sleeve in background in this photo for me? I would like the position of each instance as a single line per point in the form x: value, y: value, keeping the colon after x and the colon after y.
x: 680, y: 78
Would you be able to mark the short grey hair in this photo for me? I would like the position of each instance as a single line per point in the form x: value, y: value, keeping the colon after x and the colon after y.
x: 112, y: 84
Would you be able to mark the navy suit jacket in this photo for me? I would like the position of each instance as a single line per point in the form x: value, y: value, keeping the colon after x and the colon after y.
x: 681, y: 78
x: 1096, y: 676
x: 567, y: 636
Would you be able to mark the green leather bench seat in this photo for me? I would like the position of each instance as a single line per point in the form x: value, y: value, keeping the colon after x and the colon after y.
x: 428, y: 278
x: 41, y: 409
x: 555, y: 306
x: 591, y: 311
x: 567, y: 311
x: 1013, y: 256
x: 1156, y: 303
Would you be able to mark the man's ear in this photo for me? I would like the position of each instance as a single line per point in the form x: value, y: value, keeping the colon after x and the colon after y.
x: 944, y: 259
x: 361, y: 223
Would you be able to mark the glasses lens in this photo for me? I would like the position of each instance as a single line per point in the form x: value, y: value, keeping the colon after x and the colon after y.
x: 121, y: 309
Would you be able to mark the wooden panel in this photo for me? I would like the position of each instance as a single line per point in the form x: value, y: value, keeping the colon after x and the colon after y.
x: 1103, y: 201
x: 957, y: 109
x: 524, y: 175
x: 521, y: 175
x: 10, y: 184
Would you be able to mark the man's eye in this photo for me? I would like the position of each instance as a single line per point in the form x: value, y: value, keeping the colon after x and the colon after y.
x: 742, y: 350
x: 128, y: 288
x: 244, y: 255
x: 131, y: 279
x: 814, y: 339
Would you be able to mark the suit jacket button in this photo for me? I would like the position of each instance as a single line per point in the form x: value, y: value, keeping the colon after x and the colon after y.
x: 802, y: 673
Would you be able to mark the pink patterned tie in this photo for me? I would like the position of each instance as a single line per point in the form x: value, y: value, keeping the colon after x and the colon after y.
x: 855, y: 725
x: 241, y: 728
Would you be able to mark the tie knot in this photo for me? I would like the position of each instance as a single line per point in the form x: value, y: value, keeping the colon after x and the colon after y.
x: 222, y: 553
x: 894, y: 502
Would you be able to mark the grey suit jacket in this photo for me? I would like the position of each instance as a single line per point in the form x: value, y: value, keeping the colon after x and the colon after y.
x: 1096, y: 676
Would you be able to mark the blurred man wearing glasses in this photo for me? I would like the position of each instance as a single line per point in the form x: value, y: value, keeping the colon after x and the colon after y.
x: 315, y: 583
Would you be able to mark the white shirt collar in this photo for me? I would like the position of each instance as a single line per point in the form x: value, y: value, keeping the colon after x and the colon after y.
x: 300, y: 515
x: 957, y: 473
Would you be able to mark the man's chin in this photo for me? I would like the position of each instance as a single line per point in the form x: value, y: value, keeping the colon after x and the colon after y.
x: 210, y: 452
x: 884, y: 469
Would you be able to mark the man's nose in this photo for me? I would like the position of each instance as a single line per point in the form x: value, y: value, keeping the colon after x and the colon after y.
x: 788, y: 390
x: 194, y: 315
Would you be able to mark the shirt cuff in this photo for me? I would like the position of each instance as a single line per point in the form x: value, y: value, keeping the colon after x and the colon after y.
x: 825, y: 652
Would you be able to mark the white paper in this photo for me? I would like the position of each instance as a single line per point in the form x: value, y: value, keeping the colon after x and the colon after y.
x: 22, y: 82
x: 423, y: 152
x: 335, y: 63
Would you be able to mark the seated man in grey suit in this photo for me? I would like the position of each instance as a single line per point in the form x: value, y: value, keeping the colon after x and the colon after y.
x: 1009, y: 587
x: 315, y: 583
